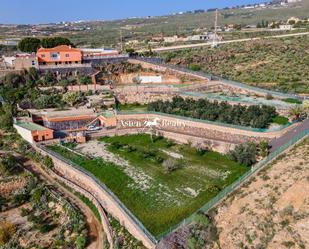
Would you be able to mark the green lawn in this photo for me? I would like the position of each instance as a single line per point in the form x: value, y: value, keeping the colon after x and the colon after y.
x: 280, y: 120
x: 292, y: 101
x: 133, y: 107
x: 159, y: 198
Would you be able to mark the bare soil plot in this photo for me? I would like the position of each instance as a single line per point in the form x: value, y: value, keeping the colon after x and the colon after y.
x: 272, y: 211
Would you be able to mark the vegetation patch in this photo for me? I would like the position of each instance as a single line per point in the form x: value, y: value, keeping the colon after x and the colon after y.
x: 292, y: 101
x: 278, y: 64
x: 132, y: 107
x: 34, y: 215
x: 280, y: 120
x: 158, y: 187
x: 253, y: 116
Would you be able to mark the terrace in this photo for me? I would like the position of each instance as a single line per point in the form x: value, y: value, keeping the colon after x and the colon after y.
x: 153, y: 176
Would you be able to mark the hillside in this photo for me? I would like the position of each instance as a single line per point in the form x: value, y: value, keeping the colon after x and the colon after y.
x: 107, y: 33
x: 279, y: 64
x: 270, y: 211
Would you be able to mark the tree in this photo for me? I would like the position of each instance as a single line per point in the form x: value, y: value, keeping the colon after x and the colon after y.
x: 6, y: 117
x: 296, y: 112
x: 194, y: 67
x: 85, y: 80
x: 55, y: 41
x: 2, y: 202
x: 264, y: 148
x: 29, y: 44
x: 244, y: 154
x: 70, y: 98
x: 13, y: 80
x: 81, y: 242
x: 33, y: 73
x: 7, y: 230
x: 306, y: 106
x: 8, y: 165
x: 49, y: 79
x: 171, y: 165
x: 48, y: 162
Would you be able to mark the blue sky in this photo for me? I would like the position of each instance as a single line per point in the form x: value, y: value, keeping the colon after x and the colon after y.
x: 43, y: 11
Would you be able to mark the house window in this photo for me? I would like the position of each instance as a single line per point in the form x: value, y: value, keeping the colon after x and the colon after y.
x: 67, y: 55
x: 55, y: 56
x: 43, y: 55
x: 33, y: 63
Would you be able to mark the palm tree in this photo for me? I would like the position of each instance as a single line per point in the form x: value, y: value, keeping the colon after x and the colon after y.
x: 296, y: 112
x: 306, y: 106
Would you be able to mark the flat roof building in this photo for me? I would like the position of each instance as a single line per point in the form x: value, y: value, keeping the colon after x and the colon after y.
x: 32, y: 132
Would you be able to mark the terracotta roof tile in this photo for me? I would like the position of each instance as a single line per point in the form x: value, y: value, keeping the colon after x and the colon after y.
x: 61, y: 48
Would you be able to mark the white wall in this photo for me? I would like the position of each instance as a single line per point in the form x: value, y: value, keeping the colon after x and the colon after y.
x: 150, y: 79
x: 10, y: 61
x: 24, y: 133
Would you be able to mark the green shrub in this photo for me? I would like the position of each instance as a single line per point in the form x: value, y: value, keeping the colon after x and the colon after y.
x: 280, y: 120
x: 194, y: 67
x: 81, y: 242
x: 254, y: 116
x: 48, y: 162
x: 292, y: 101
x: 171, y: 165
x: 244, y: 154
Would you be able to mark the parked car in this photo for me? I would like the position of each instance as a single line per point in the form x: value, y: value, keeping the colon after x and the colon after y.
x: 93, y: 128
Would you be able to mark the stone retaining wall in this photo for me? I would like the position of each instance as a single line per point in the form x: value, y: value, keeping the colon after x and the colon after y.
x: 105, y: 223
x: 219, y: 146
x: 106, y: 200
x: 196, y: 128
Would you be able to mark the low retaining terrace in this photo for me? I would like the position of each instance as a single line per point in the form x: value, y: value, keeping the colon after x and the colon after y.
x: 159, y: 65
x: 107, y: 199
x: 219, y: 137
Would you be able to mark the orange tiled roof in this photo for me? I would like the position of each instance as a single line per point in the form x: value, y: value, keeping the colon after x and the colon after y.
x: 61, y: 48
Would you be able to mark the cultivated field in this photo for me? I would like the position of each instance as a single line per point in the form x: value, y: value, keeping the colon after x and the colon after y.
x: 159, y: 181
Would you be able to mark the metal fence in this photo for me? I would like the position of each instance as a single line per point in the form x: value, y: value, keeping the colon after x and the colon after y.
x: 209, y: 205
x: 206, y: 121
x: 228, y: 190
x: 159, y: 62
x: 104, y: 188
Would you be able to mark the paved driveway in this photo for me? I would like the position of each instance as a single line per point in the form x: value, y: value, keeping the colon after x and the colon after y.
x: 277, y: 143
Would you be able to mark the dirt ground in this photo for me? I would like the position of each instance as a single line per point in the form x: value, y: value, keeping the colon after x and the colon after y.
x: 96, y: 236
x: 29, y: 235
x: 272, y: 210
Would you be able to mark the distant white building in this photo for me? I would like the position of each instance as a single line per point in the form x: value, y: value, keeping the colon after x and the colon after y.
x: 285, y: 27
x: 199, y: 38
x: 171, y: 39
x: 9, y: 61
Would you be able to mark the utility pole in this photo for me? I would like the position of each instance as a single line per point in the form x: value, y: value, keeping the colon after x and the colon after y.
x: 121, y: 40
x: 215, y: 40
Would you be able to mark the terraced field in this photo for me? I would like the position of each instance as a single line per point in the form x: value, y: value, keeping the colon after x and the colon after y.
x: 159, y: 181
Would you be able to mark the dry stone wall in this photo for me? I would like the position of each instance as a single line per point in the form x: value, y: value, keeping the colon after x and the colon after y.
x: 195, y: 128
x: 106, y: 199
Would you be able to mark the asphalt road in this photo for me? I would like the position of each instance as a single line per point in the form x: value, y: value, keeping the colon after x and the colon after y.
x: 277, y: 143
x: 205, y: 44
